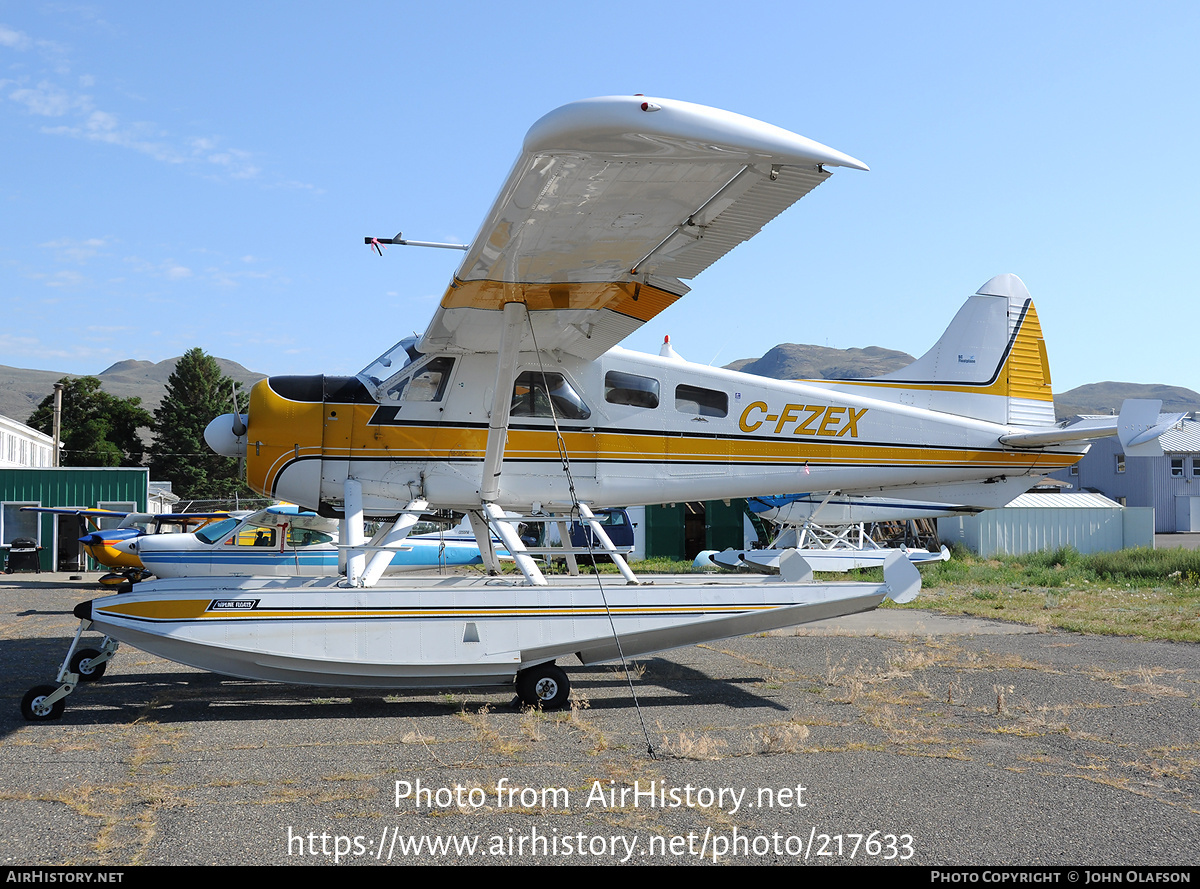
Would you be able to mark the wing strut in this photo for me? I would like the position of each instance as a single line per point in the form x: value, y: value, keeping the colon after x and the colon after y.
x: 391, y: 541
x: 502, y: 525
x: 511, y: 334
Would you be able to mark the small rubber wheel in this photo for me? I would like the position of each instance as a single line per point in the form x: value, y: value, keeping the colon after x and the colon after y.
x: 81, y: 663
x: 545, y: 686
x: 33, y: 707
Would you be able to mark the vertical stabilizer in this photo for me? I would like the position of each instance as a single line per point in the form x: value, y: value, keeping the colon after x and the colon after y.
x: 990, y: 363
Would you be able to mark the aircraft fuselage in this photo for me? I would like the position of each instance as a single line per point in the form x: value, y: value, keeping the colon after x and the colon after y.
x: 638, y: 429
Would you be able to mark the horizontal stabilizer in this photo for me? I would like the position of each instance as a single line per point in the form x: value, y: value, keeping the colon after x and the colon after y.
x: 1140, y: 424
x: 1138, y: 427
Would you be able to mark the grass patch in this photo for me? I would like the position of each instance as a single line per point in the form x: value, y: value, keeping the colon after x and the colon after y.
x: 1153, y: 594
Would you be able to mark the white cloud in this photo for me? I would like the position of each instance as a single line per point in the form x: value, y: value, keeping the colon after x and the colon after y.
x: 82, y: 119
x: 13, y: 39
x: 49, y: 100
x: 178, y: 272
x: 65, y: 279
x: 72, y: 250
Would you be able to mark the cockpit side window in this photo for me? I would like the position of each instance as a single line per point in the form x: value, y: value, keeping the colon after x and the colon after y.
x: 427, y: 383
x: 256, y: 536
x: 534, y: 392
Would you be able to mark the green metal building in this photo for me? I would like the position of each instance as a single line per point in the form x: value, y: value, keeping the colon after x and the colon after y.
x: 682, y: 530
x: 120, y: 488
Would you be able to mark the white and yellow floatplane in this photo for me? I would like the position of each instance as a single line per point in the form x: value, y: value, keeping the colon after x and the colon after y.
x: 517, y: 399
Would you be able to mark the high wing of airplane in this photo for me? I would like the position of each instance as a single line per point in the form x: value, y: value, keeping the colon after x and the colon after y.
x: 517, y: 396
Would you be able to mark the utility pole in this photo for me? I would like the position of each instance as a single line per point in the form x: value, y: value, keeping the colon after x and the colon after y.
x: 58, y: 391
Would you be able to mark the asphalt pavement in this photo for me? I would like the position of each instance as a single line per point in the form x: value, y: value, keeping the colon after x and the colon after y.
x: 899, y: 736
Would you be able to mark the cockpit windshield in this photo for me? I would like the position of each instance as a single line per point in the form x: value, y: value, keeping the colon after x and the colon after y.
x: 213, y: 533
x: 390, y: 362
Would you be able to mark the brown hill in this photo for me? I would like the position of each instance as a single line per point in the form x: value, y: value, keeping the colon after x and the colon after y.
x: 21, y: 390
x: 1106, y: 398
x: 797, y: 361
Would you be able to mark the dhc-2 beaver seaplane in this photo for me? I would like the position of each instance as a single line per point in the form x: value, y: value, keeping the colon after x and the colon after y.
x: 517, y: 397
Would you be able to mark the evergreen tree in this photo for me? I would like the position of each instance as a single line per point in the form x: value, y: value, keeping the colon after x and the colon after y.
x: 197, y: 392
x: 98, y: 429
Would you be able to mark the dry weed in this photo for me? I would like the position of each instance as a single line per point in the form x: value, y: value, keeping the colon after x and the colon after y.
x: 783, y: 738
x: 689, y: 745
x: 634, y: 672
x: 489, y: 737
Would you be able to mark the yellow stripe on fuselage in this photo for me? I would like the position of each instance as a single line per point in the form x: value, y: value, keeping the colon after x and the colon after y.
x: 450, y: 443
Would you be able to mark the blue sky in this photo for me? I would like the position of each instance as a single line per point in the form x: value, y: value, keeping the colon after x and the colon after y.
x: 203, y: 175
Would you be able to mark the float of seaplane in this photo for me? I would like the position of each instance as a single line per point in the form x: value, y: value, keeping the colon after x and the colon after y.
x: 839, y: 541
x: 283, y: 541
x: 517, y: 397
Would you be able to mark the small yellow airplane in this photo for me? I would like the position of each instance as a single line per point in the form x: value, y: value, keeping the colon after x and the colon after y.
x: 101, y: 542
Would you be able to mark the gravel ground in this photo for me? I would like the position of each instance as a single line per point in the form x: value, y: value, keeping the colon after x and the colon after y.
x: 938, y: 740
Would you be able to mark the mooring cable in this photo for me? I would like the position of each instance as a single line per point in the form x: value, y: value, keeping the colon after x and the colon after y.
x: 589, y: 537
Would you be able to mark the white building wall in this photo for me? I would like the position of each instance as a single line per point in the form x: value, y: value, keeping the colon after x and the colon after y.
x: 24, y: 448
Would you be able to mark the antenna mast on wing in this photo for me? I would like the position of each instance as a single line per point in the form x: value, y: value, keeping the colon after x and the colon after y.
x: 377, y: 244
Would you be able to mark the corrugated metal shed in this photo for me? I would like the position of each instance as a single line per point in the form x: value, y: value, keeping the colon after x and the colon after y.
x: 1034, y: 522
x: 1080, y: 500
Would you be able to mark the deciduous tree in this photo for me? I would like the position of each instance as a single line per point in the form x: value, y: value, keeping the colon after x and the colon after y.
x: 98, y: 429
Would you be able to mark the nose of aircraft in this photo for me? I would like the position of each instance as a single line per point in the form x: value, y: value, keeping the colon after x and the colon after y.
x: 227, y: 434
x: 129, y: 547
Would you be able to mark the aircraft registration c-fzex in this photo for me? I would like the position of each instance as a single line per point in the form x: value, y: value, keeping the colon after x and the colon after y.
x: 517, y: 397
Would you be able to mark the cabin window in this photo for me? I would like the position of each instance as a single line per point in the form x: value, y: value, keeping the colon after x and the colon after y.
x: 705, y: 402
x: 1176, y: 467
x: 255, y: 536
x: 623, y: 388
x: 1120, y: 463
x: 14, y: 523
x: 427, y: 384
x: 307, y: 537
x: 535, y: 392
x: 1196, y: 467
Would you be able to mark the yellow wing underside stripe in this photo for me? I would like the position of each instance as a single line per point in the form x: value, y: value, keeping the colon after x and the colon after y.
x: 640, y: 301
